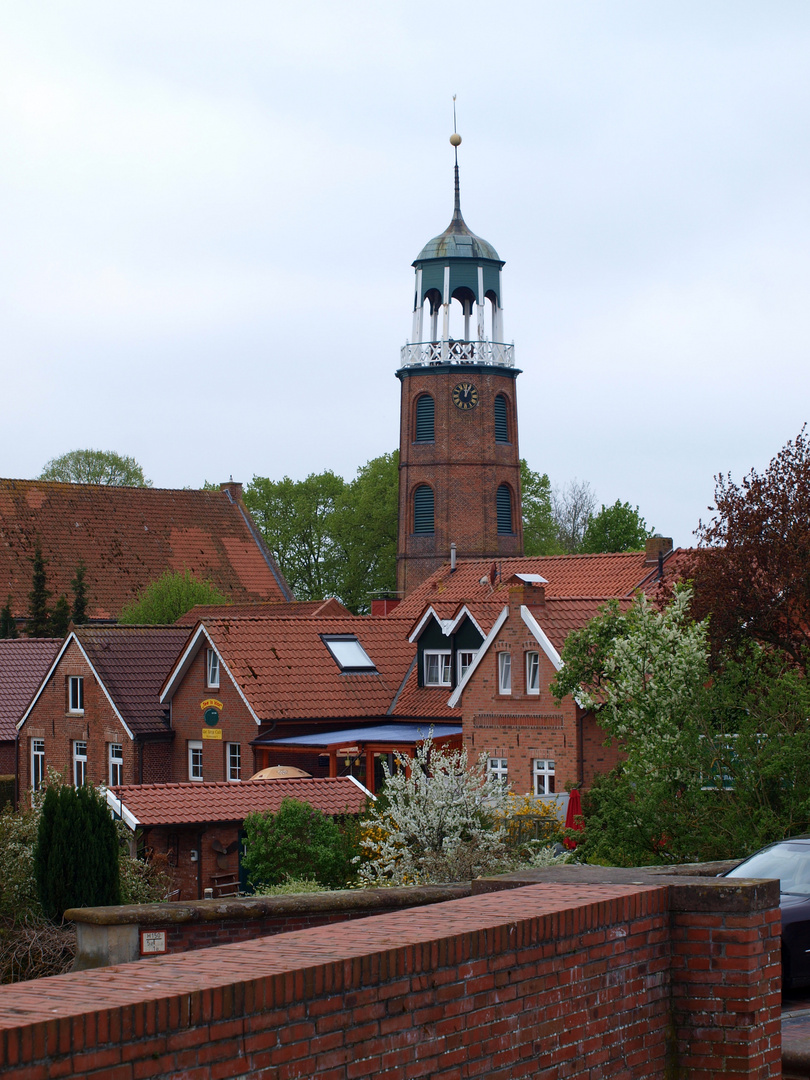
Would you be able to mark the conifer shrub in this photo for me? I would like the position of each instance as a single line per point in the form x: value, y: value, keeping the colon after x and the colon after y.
x: 77, y: 852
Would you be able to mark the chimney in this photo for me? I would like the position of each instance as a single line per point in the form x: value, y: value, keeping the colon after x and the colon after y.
x: 233, y: 489
x: 452, y: 558
x: 657, y: 545
x: 384, y: 606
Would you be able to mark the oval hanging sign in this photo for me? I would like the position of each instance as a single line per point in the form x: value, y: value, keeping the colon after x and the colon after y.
x: 211, y: 717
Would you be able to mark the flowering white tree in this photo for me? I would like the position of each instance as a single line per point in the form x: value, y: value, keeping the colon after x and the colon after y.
x: 439, y: 819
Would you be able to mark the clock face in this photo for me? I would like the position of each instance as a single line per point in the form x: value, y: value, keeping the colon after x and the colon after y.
x: 465, y: 396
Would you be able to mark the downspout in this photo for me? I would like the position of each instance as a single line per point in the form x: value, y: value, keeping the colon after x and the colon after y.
x: 199, y: 865
x: 16, y: 770
x: 580, y: 747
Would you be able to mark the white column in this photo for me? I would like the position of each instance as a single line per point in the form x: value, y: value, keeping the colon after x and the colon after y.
x: 467, y: 309
x: 417, y: 309
x: 434, y: 323
x: 446, y: 314
x: 480, y: 304
x: 499, y: 308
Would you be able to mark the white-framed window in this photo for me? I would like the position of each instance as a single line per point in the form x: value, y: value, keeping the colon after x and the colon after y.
x: 465, y: 658
x: 115, y: 763
x: 212, y: 669
x: 498, y: 768
x: 437, y: 667
x: 195, y: 766
x: 233, y: 760
x: 76, y: 694
x: 532, y: 673
x: 504, y: 673
x: 37, y: 763
x: 79, y: 763
x: 543, y: 776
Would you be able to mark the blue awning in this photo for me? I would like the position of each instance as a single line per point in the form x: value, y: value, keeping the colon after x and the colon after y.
x: 395, y: 734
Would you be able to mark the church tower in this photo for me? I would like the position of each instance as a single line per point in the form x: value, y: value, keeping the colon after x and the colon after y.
x: 459, y: 478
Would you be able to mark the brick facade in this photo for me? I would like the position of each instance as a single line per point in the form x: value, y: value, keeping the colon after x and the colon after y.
x: 522, y: 727
x: 636, y: 981
x: 97, y: 725
x: 463, y: 465
x: 236, y: 724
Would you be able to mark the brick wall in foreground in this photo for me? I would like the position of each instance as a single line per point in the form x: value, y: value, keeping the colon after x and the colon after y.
x: 545, y: 981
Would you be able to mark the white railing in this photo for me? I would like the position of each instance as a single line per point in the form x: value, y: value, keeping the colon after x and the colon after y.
x: 426, y: 353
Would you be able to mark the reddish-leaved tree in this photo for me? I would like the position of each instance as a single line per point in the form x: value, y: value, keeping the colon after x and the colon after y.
x: 752, y: 568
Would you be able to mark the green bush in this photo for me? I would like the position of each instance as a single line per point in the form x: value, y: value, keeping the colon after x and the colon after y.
x: 77, y: 851
x: 296, y: 842
x: 165, y: 600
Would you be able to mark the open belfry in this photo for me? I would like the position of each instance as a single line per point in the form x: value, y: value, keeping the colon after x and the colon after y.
x: 459, y: 479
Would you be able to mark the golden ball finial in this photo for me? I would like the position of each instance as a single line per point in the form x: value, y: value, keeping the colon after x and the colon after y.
x: 455, y: 139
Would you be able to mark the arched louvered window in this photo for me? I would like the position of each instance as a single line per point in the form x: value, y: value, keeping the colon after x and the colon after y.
x: 423, y: 509
x: 501, y: 421
x: 504, y: 506
x: 424, y: 418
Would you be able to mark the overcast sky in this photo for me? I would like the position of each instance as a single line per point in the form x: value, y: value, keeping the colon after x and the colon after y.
x: 208, y: 214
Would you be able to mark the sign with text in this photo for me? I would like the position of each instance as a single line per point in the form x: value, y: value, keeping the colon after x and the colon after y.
x: 153, y: 941
x: 212, y: 733
x: 211, y: 703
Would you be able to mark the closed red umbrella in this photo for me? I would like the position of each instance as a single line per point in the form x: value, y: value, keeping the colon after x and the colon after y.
x: 573, y: 817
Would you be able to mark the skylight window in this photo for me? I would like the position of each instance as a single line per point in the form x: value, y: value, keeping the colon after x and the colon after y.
x: 349, y: 654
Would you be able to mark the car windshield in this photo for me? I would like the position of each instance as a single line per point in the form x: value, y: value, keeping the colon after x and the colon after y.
x: 788, y: 862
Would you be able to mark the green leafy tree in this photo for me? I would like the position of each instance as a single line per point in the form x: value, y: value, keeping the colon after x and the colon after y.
x: 711, y: 767
x: 8, y: 624
x: 297, y: 841
x: 165, y: 600
x: 95, y: 467
x: 39, y: 617
x: 77, y: 851
x: 540, y: 532
x: 330, y: 537
x: 366, y: 532
x: 79, y: 586
x: 615, y: 528
x: 60, y: 617
x: 297, y: 519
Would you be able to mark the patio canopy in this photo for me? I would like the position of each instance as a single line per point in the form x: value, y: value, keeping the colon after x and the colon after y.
x: 363, y: 743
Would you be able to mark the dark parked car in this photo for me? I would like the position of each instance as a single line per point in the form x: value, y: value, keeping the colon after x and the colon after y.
x: 789, y: 860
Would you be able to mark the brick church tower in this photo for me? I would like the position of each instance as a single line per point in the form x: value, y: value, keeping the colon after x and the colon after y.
x: 459, y: 479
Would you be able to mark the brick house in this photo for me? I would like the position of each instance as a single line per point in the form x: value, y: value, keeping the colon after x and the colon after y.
x: 198, y: 826
x: 96, y: 714
x: 246, y: 690
x: 24, y: 664
x: 491, y: 634
x: 127, y: 538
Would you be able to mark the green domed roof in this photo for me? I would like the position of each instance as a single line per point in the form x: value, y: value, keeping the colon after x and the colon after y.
x: 457, y: 242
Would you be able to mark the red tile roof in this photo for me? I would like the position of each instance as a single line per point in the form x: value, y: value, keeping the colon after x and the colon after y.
x: 568, y: 576
x: 271, y: 610
x: 423, y: 701
x: 132, y: 662
x: 190, y: 804
x: 287, y: 673
x: 24, y: 663
x: 127, y: 538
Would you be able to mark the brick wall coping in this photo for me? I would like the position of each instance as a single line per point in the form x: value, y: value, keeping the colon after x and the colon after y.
x: 262, y: 907
x: 687, y: 892
x: 184, y: 989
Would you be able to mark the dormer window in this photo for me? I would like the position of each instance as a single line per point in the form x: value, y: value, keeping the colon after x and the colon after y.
x: 349, y: 654
x: 212, y: 669
x: 438, y: 667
